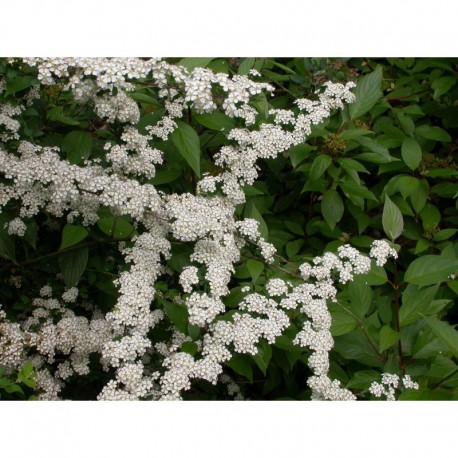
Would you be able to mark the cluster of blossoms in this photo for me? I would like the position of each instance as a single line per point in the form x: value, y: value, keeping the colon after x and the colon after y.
x: 389, y: 385
x: 42, y: 181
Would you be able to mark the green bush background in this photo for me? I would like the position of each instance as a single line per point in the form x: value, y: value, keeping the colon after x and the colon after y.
x: 384, y: 167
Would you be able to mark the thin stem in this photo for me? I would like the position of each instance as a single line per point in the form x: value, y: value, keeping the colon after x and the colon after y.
x: 402, y: 365
x: 362, y: 328
x: 274, y: 266
x: 276, y: 255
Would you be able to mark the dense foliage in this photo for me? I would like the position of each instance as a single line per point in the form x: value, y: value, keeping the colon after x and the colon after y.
x: 382, y: 167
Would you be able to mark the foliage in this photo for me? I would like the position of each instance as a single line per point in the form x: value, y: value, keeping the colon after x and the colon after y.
x: 382, y: 167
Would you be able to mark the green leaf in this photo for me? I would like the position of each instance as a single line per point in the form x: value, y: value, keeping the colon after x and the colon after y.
x: 165, y: 176
x: 31, y: 233
x: 26, y: 371
x: 193, y: 62
x: 255, y: 268
x: 72, y: 265
x: 415, y: 303
x: 117, y: 227
x: 177, y: 313
x: 430, y: 217
x: 392, y: 221
x: 299, y: 153
x: 408, y: 126
x: 19, y: 83
x: 411, y: 153
x: 376, y: 147
x: 352, y: 134
x: 186, y: 140
x: 57, y: 114
x: 215, y: 120
x: 71, y: 235
x: 13, y: 388
x: 442, y: 85
x: 332, y: 207
x: 7, y: 244
x: 342, y: 321
x: 319, y: 166
x: 360, y: 295
x: 295, y: 228
x: 376, y: 276
x: 446, y: 333
x: 430, y: 269
x: 263, y: 356
x: 387, y: 338
x: 354, y: 346
x: 77, y: 145
x: 419, y: 195
x: 261, y: 105
x: 293, y: 247
x: 444, y: 234
x: 189, y: 347
x: 252, y: 212
x: 144, y: 98
x: 241, y: 364
x: 433, y: 133
x: 246, y: 65
x: 362, y: 380
x: 367, y: 92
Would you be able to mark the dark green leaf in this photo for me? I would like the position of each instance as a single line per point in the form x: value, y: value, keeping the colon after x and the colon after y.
x: 255, y: 268
x: 332, y: 207
x: 411, y: 153
x: 442, y: 85
x: 177, y: 314
x: 415, y: 302
x: 241, y: 364
x: 71, y: 235
x: 368, y: 91
x: 117, y: 227
x: 319, y: 166
x: 430, y: 269
x: 433, y: 133
x: 215, y: 120
x: 342, y: 321
x: 360, y: 297
x: 72, y: 265
x: 19, y: 83
x: 252, y: 212
x: 388, y: 337
x: 446, y: 334
x: 186, y: 140
x: 77, y: 145
x: 393, y: 223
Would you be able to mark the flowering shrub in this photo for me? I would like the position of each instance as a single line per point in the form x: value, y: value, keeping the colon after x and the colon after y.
x: 132, y: 219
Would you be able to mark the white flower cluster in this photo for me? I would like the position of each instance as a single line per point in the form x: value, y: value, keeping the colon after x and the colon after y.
x: 16, y: 227
x: 143, y: 159
x: 381, y: 251
x: 390, y: 382
x: 9, y: 127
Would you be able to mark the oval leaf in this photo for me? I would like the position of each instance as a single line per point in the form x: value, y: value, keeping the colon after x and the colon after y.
x: 187, y: 142
x: 430, y: 269
x: 77, y: 145
x: 332, y: 207
x: 411, y: 153
x: 72, y: 265
x: 392, y: 221
x: 367, y: 92
x: 71, y: 235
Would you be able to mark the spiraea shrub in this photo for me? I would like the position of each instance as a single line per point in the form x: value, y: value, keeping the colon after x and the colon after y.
x: 227, y: 229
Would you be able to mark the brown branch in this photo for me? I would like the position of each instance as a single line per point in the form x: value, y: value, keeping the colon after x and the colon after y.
x: 402, y: 365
